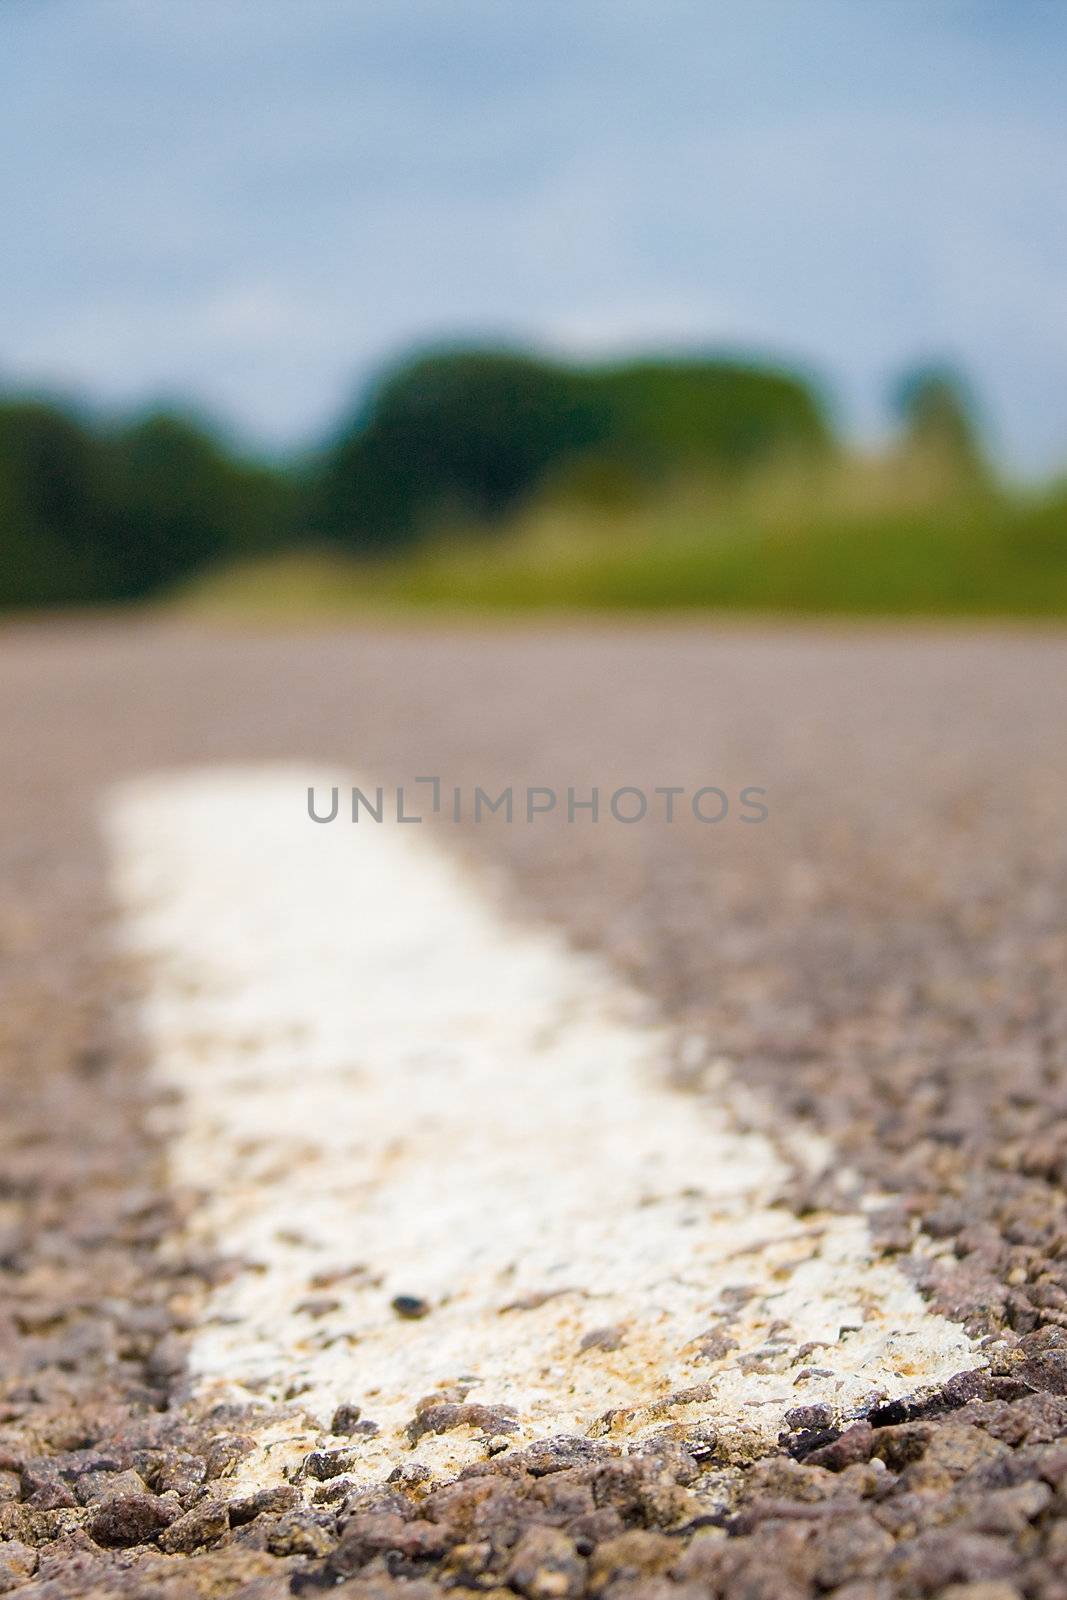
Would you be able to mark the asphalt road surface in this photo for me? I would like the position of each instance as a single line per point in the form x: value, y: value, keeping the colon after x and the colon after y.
x: 661, y: 1202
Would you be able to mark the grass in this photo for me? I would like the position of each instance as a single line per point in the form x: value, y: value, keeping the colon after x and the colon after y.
x: 863, y: 544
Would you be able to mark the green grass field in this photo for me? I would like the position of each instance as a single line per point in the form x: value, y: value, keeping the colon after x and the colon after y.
x: 864, y: 549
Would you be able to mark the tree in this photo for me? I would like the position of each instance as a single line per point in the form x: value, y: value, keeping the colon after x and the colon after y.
x: 49, y: 505
x: 91, y: 513
x: 173, y: 504
x: 454, y: 434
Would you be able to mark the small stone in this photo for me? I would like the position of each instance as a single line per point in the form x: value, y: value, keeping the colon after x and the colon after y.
x: 465, y: 1564
x: 323, y: 1464
x: 203, y: 1525
x: 410, y: 1307
x: 371, y: 1534
x: 801, y: 1418
x: 132, y: 1519
x: 64, y: 1564
x: 376, y: 1500
x: 18, y: 1563
x: 492, y: 1420
x: 93, y: 1487
x: 345, y: 1418
x: 266, y: 1502
x: 606, y: 1339
x: 182, y: 1472
x: 1007, y: 1511
x: 333, y: 1491
x: 1044, y: 1359
x: 560, y: 1453
x: 54, y: 1496
x: 855, y: 1444
x: 303, y: 1533
x: 317, y: 1306
x: 941, y: 1557
x: 546, y: 1566
x: 636, y: 1556
x: 714, y: 1345
x: 167, y: 1358
x: 410, y: 1475
x: 225, y: 1453
x: 854, y: 1553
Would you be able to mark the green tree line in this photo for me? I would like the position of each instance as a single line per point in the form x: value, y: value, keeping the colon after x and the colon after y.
x: 96, y: 511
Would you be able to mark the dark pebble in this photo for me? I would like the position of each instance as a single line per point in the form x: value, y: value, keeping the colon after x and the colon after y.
x: 410, y: 1307
x: 345, y: 1419
x: 265, y: 1501
x: 132, y: 1519
x: 323, y: 1464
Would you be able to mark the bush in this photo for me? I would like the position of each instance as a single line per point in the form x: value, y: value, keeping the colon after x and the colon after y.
x: 465, y: 435
x: 90, y: 513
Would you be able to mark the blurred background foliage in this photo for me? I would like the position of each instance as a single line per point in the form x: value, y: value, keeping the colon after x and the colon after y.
x: 497, y: 478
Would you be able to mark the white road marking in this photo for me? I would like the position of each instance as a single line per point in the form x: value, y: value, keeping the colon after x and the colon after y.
x: 386, y: 1088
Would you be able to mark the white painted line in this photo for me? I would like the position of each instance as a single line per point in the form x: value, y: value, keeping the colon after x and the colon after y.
x: 388, y: 1089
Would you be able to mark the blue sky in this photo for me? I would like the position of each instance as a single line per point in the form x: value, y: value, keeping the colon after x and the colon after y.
x: 252, y: 203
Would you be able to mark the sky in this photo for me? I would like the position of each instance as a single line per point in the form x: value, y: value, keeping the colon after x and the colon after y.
x: 251, y: 205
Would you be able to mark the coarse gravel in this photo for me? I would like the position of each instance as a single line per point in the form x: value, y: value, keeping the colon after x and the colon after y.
x: 883, y: 960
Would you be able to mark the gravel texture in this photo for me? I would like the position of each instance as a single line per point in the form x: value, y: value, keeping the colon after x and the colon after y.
x: 884, y: 958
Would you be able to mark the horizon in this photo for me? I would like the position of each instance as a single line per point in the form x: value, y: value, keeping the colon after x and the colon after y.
x: 99, y: 413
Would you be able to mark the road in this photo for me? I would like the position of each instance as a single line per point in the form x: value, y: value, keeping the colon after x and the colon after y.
x: 688, y: 1178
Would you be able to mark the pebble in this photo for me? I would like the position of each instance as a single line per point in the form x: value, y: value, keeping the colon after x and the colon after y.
x: 410, y: 1307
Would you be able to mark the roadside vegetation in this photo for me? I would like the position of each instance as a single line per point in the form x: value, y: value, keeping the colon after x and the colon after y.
x: 494, y: 480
